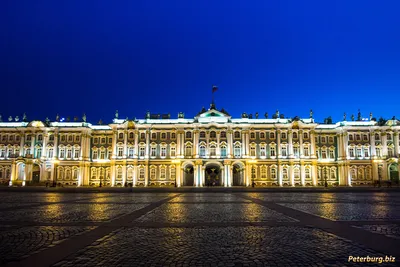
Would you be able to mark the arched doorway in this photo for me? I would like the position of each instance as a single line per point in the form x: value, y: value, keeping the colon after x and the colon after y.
x: 213, y: 175
x: 35, y: 174
x: 238, y: 175
x: 21, y: 172
x: 188, y: 175
x: 394, y: 173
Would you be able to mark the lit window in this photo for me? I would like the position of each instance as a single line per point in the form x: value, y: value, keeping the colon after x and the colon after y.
x: 390, y: 152
x: 252, y: 151
x: 188, y: 151
x: 223, y: 151
x: 366, y: 152
x: 173, y: 151
x: 153, y: 151
x: 102, y: 154
x: 332, y: 153
x: 284, y: 151
x: 162, y: 173
x: 131, y: 152
x: 50, y: 153
x: 306, y: 151
x: 152, y: 173
x: 76, y: 153
x: 94, y: 154
x: 273, y: 173
x: 296, y: 151
x: 307, y: 173
x: 296, y: 173
x: 263, y: 151
x: 284, y: 173
x: 359, y: 152
x: 120, y: 151
x: 272, y: 151
x: 351, y: 152
x: 271, y: 135
x: 163, y: 152
x: 69, y: 153
x: 323, y: 153
x: 378, y: 152
x: 202, y: 151
x: 141, y: 151
x: 237, y: 151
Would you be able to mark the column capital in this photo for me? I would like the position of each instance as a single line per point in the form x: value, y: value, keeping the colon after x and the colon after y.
x: 199, y: 162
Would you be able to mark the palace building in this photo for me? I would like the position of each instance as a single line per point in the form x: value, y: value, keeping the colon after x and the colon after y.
x: 210, y: 149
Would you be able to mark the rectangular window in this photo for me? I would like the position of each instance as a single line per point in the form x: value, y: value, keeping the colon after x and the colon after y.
x: 284, y: 151
x: 378, y: 152
x: 50, y: 153
x: 141, y: 173
x: 306, y: 151
x: 141, y: 151
x: 351, y: 152
x: 359, y: 153
x: 366, y: 152
x: 162, y: 173
x: 153, y: 173
x: 223, y: 151
x: 252, y: 151
x: 331, y: 154
x: 323, y: 139
x: 120, y: 151
x: 62, y: 153
x: 69, y: 153
x: 131, y: 152
x: 271, y: 135
x: 163, y: 152
x: 273, y: 173
x: 237, y: 152
x: 153, y: 151
x: 262, y: 151
x: 323, y: 154
x: 272, y: 151
x: 296, y: 151
x: 173, y: 151
x: 173, y: 173
x: 77, y: 152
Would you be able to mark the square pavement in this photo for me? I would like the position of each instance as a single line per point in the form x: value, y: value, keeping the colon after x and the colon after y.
x: 199, y: 229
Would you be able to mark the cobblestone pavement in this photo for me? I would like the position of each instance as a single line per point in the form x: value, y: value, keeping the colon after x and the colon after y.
x: 198, y: 229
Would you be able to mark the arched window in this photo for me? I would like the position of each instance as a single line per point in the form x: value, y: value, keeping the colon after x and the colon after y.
x: 120, y: 136
x: 263, y: 171
x: 377, y: 136
x: 237, y: 151
x: 202, y: 150
x: 188, y: 134
x: 273, y: 173
x: 296, y: 173
x: 131, y: 135
x: 307, y: 173
x: 237, y: 134
x: 153, y: 136
x: 202, y: 134
x: 213, y: 134
x: 223, y: 134
x: 223, y: 150
x: 213, y: 149
x: 294, y: 135
x: 188, y: 150
x: 142, y: 136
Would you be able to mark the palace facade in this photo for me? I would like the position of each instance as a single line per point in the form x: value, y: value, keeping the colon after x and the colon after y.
x: 210, y: 149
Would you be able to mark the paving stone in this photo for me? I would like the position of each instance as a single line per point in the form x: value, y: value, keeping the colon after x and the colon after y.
x: 249, y: 246
x: 215, y: 212
x: 16, y: 244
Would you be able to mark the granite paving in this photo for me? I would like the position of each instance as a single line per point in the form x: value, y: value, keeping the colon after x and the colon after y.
x: 199, y: 228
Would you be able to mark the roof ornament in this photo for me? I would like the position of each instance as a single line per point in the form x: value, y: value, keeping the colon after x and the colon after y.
x: 277, y: 113
x: 311, y: 114
x: 344, y: 116
x: 84, y: 117
x: 352, y: 117
x: 256, y: 115
x: 57, y: 117
x: 1, y: 118
x: 266, y: 115
x: 24, y: 118
x: 10, y: 118
x: 16, y: 118
x: 47, y: 120
x: 359, y: 115
x: 100, y: 122
x: 116, y: 114
x: 370, y: 116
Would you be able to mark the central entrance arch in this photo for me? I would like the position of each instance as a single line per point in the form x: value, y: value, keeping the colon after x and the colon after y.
x: 394, y: 173
x: 213, y: 175
x: 188, y: 175
x: 35, y: 174
x: 238, y: 174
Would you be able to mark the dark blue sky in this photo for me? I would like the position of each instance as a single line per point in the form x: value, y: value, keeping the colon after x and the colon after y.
x: 70, y: 57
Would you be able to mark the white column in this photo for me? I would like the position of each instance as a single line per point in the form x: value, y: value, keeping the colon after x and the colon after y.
x: 178, y: 174
x: 147, y: 144
x: 230, y: 175
x: 247, y: 144
x: 123, y: 175
x: 372, y: 140
x: 196, y: 143
x: 302, y: 174
x: 21, y: 144
x: 55, y: 154
x: 396, y: 143
x: 300, y: 135
x: 244, y: 144
x: 291, y: 175
x: 45, y: 141
x: 384, y: 144
x: 230, y: 144
x: 290, y: 148
x: 125, y: 155
x: 134, y: 175
x: 226, y: 176
x: 278, y: 145
x: 314, y: 174
x: 279, y: 173
x: 218, y: 151
x: 136, y: 147
x: 312, y: 137
x: 33, y: 144
x: 146, y: 175
x: 114, y: 145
